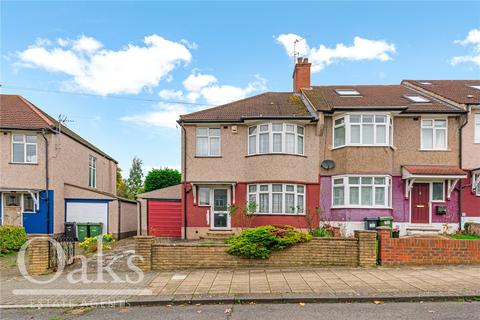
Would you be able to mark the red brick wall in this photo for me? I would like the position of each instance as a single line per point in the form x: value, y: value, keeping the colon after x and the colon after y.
x: 426, y: 251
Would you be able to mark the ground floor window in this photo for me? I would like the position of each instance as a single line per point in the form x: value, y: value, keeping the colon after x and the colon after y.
x: 277, y: 198
x: 361, y: 191
x: 438, y: 192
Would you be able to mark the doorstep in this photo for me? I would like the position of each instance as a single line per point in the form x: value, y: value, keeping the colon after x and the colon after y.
x: 422, y: 230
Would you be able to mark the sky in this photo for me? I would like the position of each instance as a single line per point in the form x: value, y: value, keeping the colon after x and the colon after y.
x: 122, y: 72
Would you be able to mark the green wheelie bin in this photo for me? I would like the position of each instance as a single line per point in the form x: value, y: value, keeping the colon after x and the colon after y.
x: 386, y: 222
x: 82, y: 231
x: 95, y: 229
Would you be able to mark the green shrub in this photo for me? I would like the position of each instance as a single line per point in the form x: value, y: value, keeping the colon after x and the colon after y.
x: 12, y: 238
x: 259, y: 242
x: 321, y: 233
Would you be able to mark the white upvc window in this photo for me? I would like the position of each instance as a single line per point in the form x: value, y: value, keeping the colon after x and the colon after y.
x: 276, y: 138
x: 208, y: 142
x: 360, y: 191
x: 434, y: 134
x: 24, y: 148
x: 362, y: 129
x: 92, y: 172
x: 438, y: 191
x: 277, y: 198
x: 477, y: 127
x: 204, y: 196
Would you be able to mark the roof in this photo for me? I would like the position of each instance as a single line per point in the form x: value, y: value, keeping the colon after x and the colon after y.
x: 265, y: 105
x: 374, y: 97
x: 168, y: 193
x: 435, y: 170
x: 18, y: 113
x: 459, y: 91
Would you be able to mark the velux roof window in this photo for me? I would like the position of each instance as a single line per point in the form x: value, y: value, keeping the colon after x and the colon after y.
x: 347, y: 92
x: 417, y: 99
x: 475, y: 86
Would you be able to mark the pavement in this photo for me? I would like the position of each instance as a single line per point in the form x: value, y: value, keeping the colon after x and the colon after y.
x: 300, y: 311
x: 245, y: 285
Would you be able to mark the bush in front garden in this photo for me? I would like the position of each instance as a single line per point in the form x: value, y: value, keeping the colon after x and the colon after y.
x: 258, y: 243
x: 11, y: 238
x: 90, y: 244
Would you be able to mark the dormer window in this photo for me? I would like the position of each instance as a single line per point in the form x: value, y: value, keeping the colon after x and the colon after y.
x: 276, y: 138
x: 347, y: 92
x: 417, y: 99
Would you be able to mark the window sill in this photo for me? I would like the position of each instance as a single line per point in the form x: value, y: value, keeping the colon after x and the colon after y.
x: 208, y: 156
x: 281, y: 214
x: 363, y: 146
x: 353, y: 207
x: 24, y: 163
x: 275, y: 154
x: 434, y: 150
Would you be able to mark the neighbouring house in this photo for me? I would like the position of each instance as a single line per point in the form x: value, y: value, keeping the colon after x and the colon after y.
x: 50, y: 175
x: 464, y: 94
x: 160, y: 212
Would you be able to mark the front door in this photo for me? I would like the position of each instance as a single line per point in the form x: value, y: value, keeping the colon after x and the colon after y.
x: 420, y: 196
x: 12, y: 209
x: 220, y: 217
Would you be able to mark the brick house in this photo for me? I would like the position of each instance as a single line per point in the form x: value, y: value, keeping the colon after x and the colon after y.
x: 49, y: 175
x: 464, y: 94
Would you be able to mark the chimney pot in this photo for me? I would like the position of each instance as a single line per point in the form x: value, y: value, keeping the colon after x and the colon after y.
x: 299, y: 60
x: 305, y: 60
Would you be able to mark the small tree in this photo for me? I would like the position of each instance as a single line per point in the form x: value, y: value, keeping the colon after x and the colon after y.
x: 161, y: 178
x: 122, y: 190
x: 135, y: 178
x: 244, y: 215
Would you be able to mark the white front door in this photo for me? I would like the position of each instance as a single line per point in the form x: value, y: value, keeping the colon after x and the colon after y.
x: 220, y: 202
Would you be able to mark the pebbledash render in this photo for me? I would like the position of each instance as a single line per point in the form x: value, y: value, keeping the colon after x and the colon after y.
x: 344, y: 152
x: 50, y: 175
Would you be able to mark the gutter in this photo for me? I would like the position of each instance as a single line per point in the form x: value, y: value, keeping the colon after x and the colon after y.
x: 460, y: 159
x: 47, y: 200
x: 180, y: 122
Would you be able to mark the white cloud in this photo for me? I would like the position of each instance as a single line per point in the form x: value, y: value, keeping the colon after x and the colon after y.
x: 170, y: 94
x: 196, y: 81
x: 189, y: 44
x: 163, y: 115
x: 105, y: 71
x: 221, y: 94
x: 321, y: 57
x: 473, y: 39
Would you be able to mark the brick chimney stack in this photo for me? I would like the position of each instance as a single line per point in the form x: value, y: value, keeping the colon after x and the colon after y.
x: 301, y: 74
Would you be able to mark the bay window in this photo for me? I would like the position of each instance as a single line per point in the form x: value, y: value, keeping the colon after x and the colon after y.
x: 434, y: 134
x: 277, y: 198
x: 362, y: 130
x: 276, y: 138
x: 24, y: 148
x: 361, y: 191
x: 208, y: 142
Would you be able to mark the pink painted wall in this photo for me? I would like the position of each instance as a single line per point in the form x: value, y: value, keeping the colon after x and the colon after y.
x: 470, y: 201
x: 400, y: 206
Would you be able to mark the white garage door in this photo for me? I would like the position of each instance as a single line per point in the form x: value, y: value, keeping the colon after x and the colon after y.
x: 88, y: 212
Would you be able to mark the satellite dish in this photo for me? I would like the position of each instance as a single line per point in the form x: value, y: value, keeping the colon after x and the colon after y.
x: 328, y: 164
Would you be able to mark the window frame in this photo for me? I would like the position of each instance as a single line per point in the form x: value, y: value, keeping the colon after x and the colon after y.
x: 443, y: 192
x: 387, y: 185
x: 209, y: 139
x: 271, y: 133
x: 476, y: 134
x: 347, y: 124
x: 92, y: 172
x: 269, y: 191
x: 434, y: 133
x: 23, y: 203
x: 209, y: 193
x: 25, y: 144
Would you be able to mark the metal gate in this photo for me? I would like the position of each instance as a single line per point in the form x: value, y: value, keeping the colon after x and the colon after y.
x: 68, y: 248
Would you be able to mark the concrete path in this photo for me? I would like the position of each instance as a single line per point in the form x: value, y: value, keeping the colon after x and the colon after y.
x: 241, y: 285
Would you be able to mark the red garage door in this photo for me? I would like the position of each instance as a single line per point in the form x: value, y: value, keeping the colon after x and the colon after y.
x: 164, y: 218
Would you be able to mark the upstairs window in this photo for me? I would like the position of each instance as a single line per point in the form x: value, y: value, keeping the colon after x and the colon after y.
x: 208, y: 142
x: 276, y: 138
x: 362, y: 130
x: 434, y: 134
x: 24, y: 148
x: 92, y: 172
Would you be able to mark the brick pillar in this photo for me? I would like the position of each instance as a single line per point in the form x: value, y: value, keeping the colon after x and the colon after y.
x: 383, y: 242
x: 367, y: 248
x: 143, y: 248
x: 38, y: 255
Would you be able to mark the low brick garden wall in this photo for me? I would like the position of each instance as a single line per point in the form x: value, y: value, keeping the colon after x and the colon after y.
x: 426, y: 251
x: 349, y: 252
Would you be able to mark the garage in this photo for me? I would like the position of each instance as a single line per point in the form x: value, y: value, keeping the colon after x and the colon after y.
x: 87, y: 210
x: 161, y: 212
